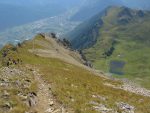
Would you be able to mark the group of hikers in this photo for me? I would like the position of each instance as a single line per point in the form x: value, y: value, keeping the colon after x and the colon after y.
x: 10, y: 61
x: 13, y: 62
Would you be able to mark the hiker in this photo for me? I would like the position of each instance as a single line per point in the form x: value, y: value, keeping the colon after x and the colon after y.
x: 14, y: 62
x: 8, y: 64
x: 18, y: 61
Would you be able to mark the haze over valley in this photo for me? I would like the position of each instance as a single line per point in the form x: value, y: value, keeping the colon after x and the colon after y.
x: 18, y: 15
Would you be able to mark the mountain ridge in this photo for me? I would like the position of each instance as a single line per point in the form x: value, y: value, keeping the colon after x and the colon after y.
x: 54, y: 84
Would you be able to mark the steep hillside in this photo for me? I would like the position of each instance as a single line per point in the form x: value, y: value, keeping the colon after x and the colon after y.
x: 123, y: 40
x: 88, y: 30
x: 45, y: 76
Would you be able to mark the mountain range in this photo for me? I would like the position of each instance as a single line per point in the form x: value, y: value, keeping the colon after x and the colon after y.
x: 90, y: 8
x: 87, y: 56
x: 117, y: 41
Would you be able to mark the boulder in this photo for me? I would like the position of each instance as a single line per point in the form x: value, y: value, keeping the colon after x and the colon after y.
x: 32, y: 99
x: 125, y: 107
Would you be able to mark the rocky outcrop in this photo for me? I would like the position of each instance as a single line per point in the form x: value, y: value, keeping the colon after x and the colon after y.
x: 101, y: 107
x: 6, y: 107
x: 131, y: 87
x: 125, y: 108
x: 15, y: 89
x: 86, y: 62
x: 124, y: 16
x: 140, y: 13
x: 136, y: 89
x: 32, y: 99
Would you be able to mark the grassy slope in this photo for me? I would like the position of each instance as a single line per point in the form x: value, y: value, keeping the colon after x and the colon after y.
x: 75, y: 86
x: 132, y: 43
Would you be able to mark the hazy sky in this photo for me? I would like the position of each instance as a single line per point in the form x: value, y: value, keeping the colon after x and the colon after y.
x: 132, y: 3
x: 16, y: 12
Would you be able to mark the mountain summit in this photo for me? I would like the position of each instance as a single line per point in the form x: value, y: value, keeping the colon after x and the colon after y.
x: 91, y: 8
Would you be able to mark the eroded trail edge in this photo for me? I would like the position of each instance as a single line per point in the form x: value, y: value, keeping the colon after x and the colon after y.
x: 46, y: 103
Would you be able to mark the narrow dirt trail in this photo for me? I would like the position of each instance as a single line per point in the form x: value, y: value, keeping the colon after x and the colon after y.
x: 46, y: 102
